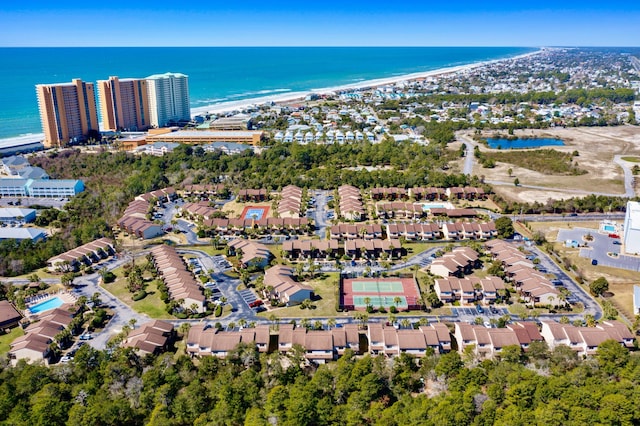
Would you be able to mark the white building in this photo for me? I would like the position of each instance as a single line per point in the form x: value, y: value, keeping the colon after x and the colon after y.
x: 632, y: 228
x: 168, y: 98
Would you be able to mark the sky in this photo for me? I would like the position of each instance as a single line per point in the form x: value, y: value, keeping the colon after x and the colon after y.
x: 319, y: 23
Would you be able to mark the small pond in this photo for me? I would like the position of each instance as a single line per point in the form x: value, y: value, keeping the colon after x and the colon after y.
x: 502, y: 143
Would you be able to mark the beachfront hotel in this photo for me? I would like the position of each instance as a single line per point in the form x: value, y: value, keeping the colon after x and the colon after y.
x: 124, y: 104
x: 67, y: 112
x: 168, y: 99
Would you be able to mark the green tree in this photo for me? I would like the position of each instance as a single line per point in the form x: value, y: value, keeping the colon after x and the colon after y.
x: 504, y: 227
x: 599, y: 286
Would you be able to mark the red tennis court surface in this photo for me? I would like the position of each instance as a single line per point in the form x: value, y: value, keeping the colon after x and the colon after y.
x: 380, y: 291
x: 255, y: 212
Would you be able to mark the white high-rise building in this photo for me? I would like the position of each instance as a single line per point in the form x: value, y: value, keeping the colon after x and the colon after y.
x: 632, y: 228
x: 168, y: 99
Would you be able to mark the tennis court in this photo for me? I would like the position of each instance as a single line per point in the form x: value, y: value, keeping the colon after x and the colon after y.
x: 380, y: 292
x: 377, y: 286
x: 377, y: 301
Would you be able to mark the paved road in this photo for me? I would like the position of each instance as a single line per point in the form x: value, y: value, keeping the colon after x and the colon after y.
x: 87, y: 285
x: 319, y: 217
x: 579, y: 292
x: 469, y: 154
x: 628, y: 176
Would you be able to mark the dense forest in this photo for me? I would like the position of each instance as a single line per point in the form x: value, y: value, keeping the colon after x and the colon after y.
x: 117, y: 387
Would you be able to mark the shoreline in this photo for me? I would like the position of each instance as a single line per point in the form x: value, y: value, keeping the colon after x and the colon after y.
x: 288, y: 97
x: 360, y: 85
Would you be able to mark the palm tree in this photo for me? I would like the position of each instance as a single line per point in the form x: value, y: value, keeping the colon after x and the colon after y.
x: 274, y: 321
x: 184, y: 328
x: 331, y: 322
x: 397, y: 301
x: 194, y: 308
x: 391, y: 318
x: 242, y: 322
x: 405, y: 323
x: 590, y: 320
x: 132, y: 323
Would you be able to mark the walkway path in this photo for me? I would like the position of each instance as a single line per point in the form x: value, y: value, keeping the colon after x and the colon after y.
x: 628, y: 176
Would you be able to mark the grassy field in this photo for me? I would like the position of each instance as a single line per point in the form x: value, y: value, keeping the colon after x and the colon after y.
x: 323, y: 287
x: 151, y: 305
x: 631, y: 159
x: 6, y: 339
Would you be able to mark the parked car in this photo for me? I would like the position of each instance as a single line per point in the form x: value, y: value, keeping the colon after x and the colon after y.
x: 86, y: 336
x: 256, y: 303
x: 479, y: 308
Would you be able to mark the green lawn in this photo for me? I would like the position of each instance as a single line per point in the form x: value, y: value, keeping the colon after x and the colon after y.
x: 417, y: 248
x: 323, y: 287
x: 6, y: 339
x: 210, y: 250
x: 151, y: 305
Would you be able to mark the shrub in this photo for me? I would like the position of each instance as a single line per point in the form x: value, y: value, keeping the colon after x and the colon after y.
x: 218, y: 311
x: 108, y: 277
x: 382, y: 310
x: 393, y: 309
x: 139, y: 295
x: 181, y: 315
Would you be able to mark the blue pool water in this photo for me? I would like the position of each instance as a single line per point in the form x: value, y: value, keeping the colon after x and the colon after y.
x: 501, y: 143
x: 254, y: 214
x: 610, y: 228
x: 433, y: 206
x: 47, y: 305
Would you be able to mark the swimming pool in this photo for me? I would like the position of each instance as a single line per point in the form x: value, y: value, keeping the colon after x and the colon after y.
x: 54, y: 302
x: 609, y: 228
x: 254, y: 212
x: 429, y: 206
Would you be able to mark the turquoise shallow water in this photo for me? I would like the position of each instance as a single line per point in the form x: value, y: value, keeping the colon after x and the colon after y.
x: 523, y: 143
x: 216, y: 74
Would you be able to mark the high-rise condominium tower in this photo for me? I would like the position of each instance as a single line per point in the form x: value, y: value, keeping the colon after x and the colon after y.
x: 168, y: 99
x: 67, y: 111
x: 124, y: 104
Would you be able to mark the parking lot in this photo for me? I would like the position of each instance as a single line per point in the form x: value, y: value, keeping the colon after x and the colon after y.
x: 599, y: 248
x: 57, y: 203
x: 486, y: 310
x: 220, y: 263
x: 248, y: 296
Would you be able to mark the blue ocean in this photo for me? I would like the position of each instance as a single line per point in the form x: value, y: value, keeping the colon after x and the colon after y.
x: 216, y: 74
